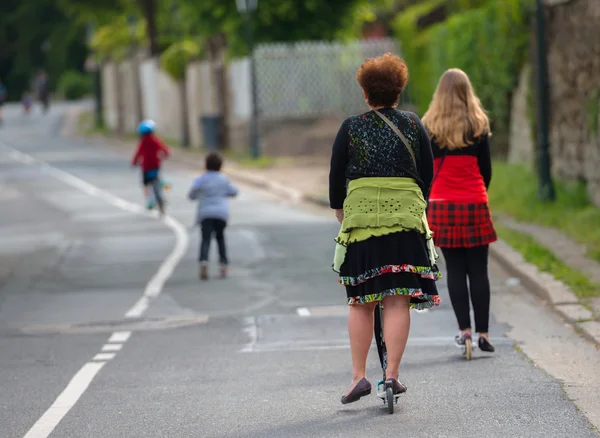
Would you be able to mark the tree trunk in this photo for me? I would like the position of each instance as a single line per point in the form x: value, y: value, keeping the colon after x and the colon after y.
x: 149, y: 11
x: 216, y: 46
x: 185, y: 133
x: 119, y: 100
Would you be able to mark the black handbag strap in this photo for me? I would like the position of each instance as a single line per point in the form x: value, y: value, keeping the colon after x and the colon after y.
x: 399, y: 134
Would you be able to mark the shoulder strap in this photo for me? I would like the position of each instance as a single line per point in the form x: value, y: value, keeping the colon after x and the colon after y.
x: 399, y: 133
x: 440, y: 167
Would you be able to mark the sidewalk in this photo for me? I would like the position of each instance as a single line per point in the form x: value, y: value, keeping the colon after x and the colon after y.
x: 306, y: 180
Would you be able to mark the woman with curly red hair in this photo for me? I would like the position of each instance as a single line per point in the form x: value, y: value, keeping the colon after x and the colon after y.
x: 381, y: 170
x: 458, y: 204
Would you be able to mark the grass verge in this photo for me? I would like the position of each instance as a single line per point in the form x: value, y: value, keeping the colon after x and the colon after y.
x: 546, y: 261
x: 514, y: 191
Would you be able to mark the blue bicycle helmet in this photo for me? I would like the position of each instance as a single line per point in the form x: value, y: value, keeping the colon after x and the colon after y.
x: 146, y: 127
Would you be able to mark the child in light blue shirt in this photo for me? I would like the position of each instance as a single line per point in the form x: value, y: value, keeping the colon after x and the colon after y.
x: 212, y: 191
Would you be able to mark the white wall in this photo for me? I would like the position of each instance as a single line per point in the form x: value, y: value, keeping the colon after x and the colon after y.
x: 240, y: 88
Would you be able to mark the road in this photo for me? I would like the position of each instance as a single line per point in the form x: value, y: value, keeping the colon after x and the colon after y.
x: 106, y: 331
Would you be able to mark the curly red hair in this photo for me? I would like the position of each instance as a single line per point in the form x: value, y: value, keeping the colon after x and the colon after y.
x: 383, y: 79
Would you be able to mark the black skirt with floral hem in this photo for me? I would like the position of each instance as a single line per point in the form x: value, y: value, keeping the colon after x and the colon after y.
x: 394, y: 264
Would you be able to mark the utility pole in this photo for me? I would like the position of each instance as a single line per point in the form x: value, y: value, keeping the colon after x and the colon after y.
x: 546, y: 190
x: 247, y: 7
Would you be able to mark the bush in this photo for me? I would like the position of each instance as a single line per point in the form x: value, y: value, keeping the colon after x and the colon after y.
x: 489, y: 43
x: 75, y: 85
x: 176, y: 58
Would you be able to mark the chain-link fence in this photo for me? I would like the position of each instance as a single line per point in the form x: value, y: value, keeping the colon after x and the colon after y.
x: 314, y: 78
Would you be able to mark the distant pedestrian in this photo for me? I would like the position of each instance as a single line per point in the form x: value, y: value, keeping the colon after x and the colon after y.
x: 43, y: 90
x: 3, y: 98
x: 27, y: 102
x: 212, y: 191
x: 150, y: 153
x: 458, y: 209
x: 381, y: 170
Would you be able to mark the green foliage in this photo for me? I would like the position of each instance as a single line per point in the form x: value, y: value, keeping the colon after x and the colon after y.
x: 34, y: 35
x: 546, y: 261
x: 175, y: 59
x: 115, y: 39
x: 514, y: 191
x: 74, y: 85
x: 488, y: 43
x: 279, y: 21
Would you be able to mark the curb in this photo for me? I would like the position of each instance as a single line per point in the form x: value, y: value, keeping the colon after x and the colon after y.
x: 555, y: 293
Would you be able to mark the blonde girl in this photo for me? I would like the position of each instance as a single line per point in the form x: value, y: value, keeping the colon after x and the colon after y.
x: 458, y: 211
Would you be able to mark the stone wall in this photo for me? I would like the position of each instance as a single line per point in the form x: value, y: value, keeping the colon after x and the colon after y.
x: 522, y: 148
x: 573, y: 36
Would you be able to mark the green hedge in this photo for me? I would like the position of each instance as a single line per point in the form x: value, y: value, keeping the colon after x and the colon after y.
x: 75, y: 85
x: 489, y: 43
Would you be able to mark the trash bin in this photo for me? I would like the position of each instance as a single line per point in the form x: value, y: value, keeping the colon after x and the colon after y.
x: 210, y: 128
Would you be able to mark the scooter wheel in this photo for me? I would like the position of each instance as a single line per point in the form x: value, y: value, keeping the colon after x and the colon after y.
x: 389, y: 393
x: 468, y: 348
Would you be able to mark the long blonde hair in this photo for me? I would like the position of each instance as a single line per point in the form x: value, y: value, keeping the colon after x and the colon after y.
x: 455, y: 116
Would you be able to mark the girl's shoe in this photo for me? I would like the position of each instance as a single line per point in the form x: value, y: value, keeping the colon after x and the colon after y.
x: 203, y: 271
x: 484, y: 345
x: 223, y: 271
x: 461, y: 340
x: 150, y: 205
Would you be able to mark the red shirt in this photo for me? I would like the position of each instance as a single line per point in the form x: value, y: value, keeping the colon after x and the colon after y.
x: 464, y: 175
x: 150, y: 152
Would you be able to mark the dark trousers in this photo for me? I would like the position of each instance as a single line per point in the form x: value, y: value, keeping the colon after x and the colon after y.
x: 208, y: 228
x: 471, y: 263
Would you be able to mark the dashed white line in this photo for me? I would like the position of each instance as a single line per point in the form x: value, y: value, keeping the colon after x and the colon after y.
x: 80, y: 382
x: 65, y: 401
x: 119, y: 337
x: 104, y: 356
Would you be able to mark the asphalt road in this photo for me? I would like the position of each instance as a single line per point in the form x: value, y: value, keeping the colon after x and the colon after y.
x: 224, y: 358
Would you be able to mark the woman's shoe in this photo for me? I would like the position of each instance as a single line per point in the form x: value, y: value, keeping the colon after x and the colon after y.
x: 397, y: 387
x: 362, y: 388
x: 484, y: 345
x: 223, y: 271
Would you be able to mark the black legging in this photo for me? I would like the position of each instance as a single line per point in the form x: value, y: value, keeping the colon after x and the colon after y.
x: 473, y: 263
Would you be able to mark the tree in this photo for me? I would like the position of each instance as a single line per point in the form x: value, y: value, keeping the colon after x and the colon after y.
x: 174, y: 61
x: 280, y: 21
x: 34, y: 35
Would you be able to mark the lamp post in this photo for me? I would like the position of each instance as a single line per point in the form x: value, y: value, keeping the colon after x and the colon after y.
x: 246, y: 7
x: 92, y: 66
x: 546, y: 190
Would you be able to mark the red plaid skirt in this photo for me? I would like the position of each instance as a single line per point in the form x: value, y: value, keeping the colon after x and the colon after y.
x: 460, y: 225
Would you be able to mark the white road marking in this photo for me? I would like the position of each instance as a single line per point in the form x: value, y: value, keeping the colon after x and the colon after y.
x: 156, y: 284
x: 80, y: 382
x: 112, y: 347
x: 119, y: 337
x: 104, y: 356
x: 251, y: 329
x: 303, y: 311
x: 65, y: 401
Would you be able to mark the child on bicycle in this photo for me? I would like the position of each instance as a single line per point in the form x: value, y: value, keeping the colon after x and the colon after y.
x: 149, y: 155
x: 212, y: 190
